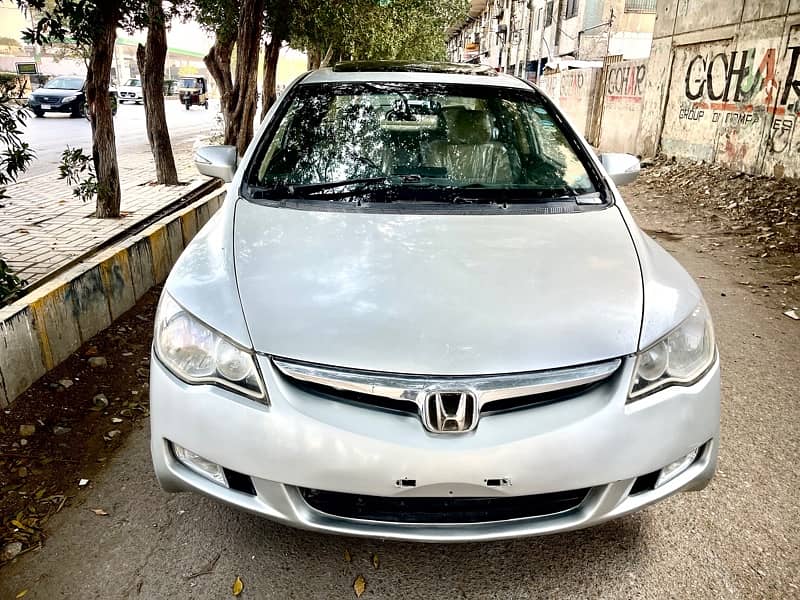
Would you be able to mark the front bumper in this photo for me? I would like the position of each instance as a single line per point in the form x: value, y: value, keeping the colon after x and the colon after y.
x: 593, y: 441
x: 61, y: 107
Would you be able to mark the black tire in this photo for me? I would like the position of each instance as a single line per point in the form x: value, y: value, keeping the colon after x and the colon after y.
x: 188, y: 105
x: 38, y: 113
x: 80, y: 113
x: 206, y: 105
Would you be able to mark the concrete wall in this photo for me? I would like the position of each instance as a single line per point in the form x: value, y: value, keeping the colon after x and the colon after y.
x: 622, y: 106
x: 574, y: 92
x: 43, y: 328
x: 723, y: 84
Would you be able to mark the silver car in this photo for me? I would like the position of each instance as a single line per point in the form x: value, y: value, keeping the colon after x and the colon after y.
x: 424, y: 313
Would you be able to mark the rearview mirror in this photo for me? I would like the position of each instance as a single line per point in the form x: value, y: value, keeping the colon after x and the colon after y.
x: 622, y: 168
x: 216, y: 161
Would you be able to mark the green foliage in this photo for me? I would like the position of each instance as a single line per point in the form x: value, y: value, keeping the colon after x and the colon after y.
x: 78, y: 169
x: 10, y: 284
x: 15, y: 155
x: 82, y: 22
x: 373, y: 30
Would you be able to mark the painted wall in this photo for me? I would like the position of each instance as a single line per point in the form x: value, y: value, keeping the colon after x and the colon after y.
x: 573, y: 91
x: 727, y: 83
x: 622, y: 106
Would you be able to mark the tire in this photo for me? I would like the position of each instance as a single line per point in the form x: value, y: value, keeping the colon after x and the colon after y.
x: 38, y: 113
x: 206, y: 105
x: 80, y: 113
x: 188, y: 106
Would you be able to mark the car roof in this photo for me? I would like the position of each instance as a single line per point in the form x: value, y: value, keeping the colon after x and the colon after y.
x: 413, y: 72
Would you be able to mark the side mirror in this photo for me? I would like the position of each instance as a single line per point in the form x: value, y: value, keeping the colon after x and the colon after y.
x: 622, y: 168
x: 216, y: 161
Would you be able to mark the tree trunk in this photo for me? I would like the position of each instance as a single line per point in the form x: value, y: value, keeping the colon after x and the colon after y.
x: 218, y: 62
x: 271, y: 54
x: 326, y: 60
x: 151, y: 69
x: 104, y: 151
x: 239, y: 125
x: 314, y: 57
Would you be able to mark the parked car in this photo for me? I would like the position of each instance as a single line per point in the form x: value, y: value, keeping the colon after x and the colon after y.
x: 65, y: 94
x: 131, y: 91
x: 424, y: 312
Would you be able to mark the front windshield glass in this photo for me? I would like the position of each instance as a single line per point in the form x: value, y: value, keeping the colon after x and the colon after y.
x: 133, y: 83
x: 189, y: 82
x: 64, y: 83
x: 463, y: 136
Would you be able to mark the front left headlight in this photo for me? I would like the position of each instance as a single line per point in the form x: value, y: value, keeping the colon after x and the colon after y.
x: 198, y: 354
x: 68, y: 99
x: 679, y: 358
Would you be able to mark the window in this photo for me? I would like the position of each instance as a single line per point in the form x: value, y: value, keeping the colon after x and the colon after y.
x: 570, y: 9
x: 428, y: 136
x: 640, y: 6
x: 548, y: 14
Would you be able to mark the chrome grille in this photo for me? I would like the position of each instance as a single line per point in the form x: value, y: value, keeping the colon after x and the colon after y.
x: 408, y: 393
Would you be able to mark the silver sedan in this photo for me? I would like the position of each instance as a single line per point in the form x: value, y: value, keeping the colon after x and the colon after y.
x: 424, y: 313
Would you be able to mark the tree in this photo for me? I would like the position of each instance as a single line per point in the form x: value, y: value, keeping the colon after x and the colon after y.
x: 151, y: 59
x: 235, y: 23
x: 372, y: 30
x: 278, y: 15
x: 91, y: 24
x: 15, y: 157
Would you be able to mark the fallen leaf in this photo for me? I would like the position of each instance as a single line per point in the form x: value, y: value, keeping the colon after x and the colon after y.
x: 99, y: 512
x: 347, y: 556
x: 238, y: 586
x: 21, y: 594
x: 359, y: 585
x: 375, y: 561
x: 792, y: 314
x: 83, y: 482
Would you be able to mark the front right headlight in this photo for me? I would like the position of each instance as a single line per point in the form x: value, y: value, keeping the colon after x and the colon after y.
x: 198, y: 354
x: 679, y: 358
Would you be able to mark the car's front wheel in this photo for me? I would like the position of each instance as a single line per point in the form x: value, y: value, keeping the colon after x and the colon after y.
x: 38, y: 112
x: 79, y: 112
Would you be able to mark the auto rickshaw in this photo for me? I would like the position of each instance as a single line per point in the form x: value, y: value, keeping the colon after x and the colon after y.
x: 192, y: 91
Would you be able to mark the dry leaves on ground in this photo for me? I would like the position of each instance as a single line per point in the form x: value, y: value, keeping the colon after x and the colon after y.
x: 238, y: 586
x: 359, y: 586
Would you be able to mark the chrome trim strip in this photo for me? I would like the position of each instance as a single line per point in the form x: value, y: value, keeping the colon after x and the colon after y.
x: 486, y: 388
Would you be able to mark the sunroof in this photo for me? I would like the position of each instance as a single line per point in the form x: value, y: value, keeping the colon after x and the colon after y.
x: 401, y: 66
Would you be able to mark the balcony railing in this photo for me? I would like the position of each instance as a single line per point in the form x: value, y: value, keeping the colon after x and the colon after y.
x: 640, y: 6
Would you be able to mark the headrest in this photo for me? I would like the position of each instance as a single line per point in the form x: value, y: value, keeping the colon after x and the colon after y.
x: 465, y: 126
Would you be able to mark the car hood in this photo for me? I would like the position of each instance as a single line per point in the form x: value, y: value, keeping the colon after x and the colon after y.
x: 443, y: 294
x: 55, y: 93
x: 129, y: 88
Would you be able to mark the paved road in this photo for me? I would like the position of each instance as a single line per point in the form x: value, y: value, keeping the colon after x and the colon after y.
x: 737, y: 539
x: 49, y: 136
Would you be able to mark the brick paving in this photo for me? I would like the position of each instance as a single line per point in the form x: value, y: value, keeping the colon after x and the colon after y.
x: 43, y: 226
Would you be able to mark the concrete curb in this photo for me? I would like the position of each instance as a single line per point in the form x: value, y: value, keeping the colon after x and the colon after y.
x: 41, y: 329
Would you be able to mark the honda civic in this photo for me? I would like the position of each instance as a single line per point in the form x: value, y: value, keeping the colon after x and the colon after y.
x: 424, y: 312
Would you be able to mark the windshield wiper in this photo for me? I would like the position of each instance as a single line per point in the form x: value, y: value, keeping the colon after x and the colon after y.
x: 329, y: 190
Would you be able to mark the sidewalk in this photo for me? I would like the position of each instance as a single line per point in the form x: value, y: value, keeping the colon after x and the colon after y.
x: 43, y: 226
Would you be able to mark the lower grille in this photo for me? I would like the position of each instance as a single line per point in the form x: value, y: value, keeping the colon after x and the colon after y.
x: 441, y: 510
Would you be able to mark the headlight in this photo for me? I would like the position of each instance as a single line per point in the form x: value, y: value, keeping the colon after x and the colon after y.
x: 68, y: 99
x: 198, y: 354
x: 679, y: 358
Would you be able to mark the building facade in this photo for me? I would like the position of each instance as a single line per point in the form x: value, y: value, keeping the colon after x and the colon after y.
x: 522, y: 37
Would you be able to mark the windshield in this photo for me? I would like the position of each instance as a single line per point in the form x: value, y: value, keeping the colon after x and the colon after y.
x: 462, y: 137
x: 64, y: 83
x: 133, y: 83
x: 189, y: 82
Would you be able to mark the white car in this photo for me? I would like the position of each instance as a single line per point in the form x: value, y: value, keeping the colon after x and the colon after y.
x: 424, y: 312
x: 131, y: 91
